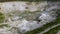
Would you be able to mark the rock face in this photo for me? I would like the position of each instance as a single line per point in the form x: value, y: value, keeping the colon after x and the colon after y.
x: 22, y: 6
x: 26, y: 16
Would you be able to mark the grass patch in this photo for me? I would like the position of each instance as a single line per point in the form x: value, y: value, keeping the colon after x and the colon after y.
x: 2, y: 25
x: 2, y: 17
x: 53, y: 31
x: 22, y: 0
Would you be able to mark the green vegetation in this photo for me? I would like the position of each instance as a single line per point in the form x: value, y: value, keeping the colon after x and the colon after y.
x: 56, y: 29
x: 2, y: 25
x: 2, y: 17
x: 22, y: 0
x: 53, y: 31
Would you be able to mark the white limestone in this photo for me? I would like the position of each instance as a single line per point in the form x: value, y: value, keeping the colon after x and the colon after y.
x: 21, y: 6
x: 24, y: 25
